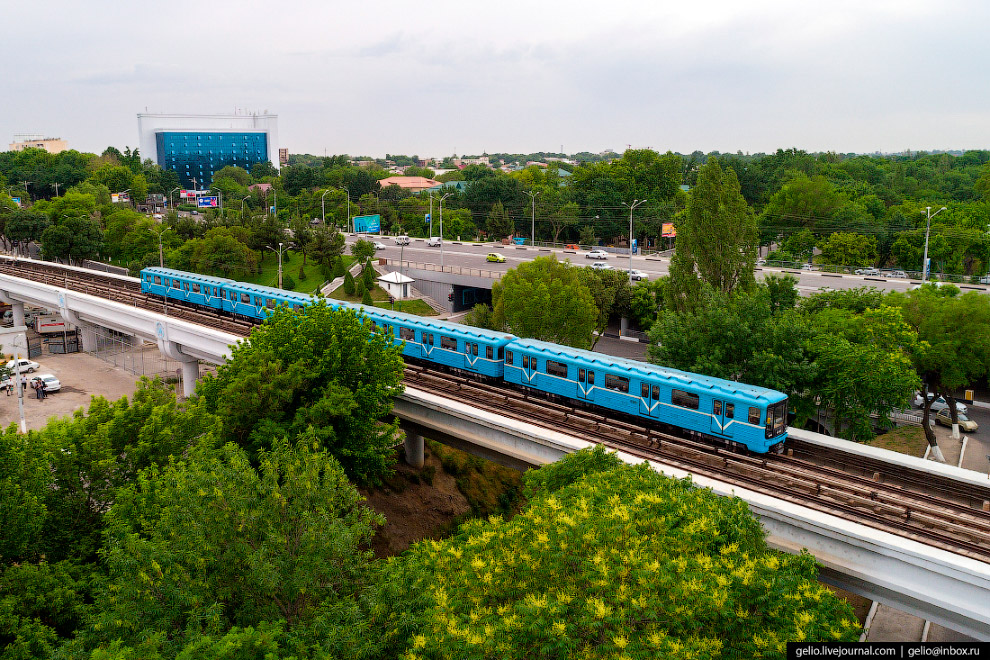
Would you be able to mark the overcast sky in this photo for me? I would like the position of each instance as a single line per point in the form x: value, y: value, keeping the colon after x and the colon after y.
x: 435, y: 78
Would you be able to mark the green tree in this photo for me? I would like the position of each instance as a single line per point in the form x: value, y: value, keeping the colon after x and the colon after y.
x: 646, y: 302
x: 366, y: 298
x: 313, y: 371
x: 74, y: 239
x: 547, y: 300
x: 498, y: 225
x: 843, y: 249
x: 368, y: 276
x: 611, y: 292
x: 220, y: 253
x: 619, y: 562
x: 25, y: 226
x: 349, y: 286
x: 327, y: 246
x: 363, y: 250
x: 204, y: 545
x: 716, y: 239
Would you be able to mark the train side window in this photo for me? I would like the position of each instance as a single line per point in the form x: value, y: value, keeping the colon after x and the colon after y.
x: 508, y: 357
x: 501, y: 352
x: 270, y: 303
x: 754, y: 415
x: 407, y: 333
x: 730, y: 410
x: 656, y: 392
x: 533, y: 363
x: 176, y: 284
x: 245, y: 298
x: 617, y: 383
x: 259, y: 301
x: 195, y: 288
x: 158, y: 279
x: 580, y: 375
x: 717, y: 408
x: 187, y: 286
x: 525, y: 362
x: 684, y: 399
x: 591, y: 378
x: 558, y: 369
x: 644, y: 390
x: 448, y: 343
x: 297, y: 308
x: 490, y: 352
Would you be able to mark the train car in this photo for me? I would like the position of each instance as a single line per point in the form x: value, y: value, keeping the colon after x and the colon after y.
x: 255, y: 301
x: 754, y: 417
x: 192, y: 288
x: 460, y: 347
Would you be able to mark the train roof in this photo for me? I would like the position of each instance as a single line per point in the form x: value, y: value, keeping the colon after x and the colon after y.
x: 184, y: 275
x: 634, y: 367
x: 388, y: 315
x: 270, y: 291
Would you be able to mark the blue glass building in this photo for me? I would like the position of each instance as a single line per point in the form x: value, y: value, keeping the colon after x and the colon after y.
x: 196, y: 146
x: 198, y: 155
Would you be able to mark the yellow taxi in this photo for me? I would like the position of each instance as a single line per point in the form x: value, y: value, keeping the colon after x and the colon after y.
x: 495, y: 257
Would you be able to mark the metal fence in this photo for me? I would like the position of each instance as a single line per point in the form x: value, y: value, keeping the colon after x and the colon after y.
x: 139, y: 359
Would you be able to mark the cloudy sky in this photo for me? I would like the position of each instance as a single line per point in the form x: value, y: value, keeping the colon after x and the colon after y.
x: 436, y: 78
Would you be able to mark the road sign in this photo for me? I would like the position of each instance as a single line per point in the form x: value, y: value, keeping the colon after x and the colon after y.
x: 207, y: 202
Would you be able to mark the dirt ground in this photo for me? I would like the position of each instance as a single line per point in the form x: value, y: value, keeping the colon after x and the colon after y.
x: 82, y: 376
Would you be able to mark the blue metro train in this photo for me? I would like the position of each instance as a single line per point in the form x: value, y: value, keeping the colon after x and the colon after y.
x: 754, y: 417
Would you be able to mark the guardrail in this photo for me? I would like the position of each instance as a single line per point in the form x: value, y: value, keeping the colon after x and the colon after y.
x: 453, y: 270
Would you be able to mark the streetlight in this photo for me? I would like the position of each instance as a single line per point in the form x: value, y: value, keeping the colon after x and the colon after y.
x: 533, y: 196
x: 632, y: 207
x: 323, y: 204
x: 242, y: 207
x: 928, y: 226
x: 279, y: 251
x: 161, y: 249
x: 171, y: 204
x: 441, y: 229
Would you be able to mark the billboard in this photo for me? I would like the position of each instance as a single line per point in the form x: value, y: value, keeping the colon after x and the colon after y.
x: 191, y: 194
x: 16, y: 200
x: 668, y: 231
x: 208, y: 202
x: 119, y: 197
x: 364, y: 224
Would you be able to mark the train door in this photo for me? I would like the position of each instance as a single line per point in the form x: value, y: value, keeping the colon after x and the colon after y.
x: 471, y: 356
x: 649, y: 400
x: 426, y: 346
x: 530, y: 366
x: 722, y: 414
x: 586, y: 384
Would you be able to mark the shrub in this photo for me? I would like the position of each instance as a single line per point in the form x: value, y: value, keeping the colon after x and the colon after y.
x: 366, y: 299
x: 348, y: 283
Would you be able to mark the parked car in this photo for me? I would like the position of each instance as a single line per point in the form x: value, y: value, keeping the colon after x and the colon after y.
x: 939, y: 404
x: 52, y: 383
x: 897, y: 273
x: 761, y: 262
x: 597, y: 254
x: 637, y: 275
x: 378, y: 245
x: 25, y: 365
x: 807, y: 267
x: 434, y: 241
x: 402, y: 240
x: 965, y: 423
x: 8, y: 317
x: 985, y: 279
x: 601, y: 265
x: 868, y: 271
x: 572, y: 246
x: 495, y: 257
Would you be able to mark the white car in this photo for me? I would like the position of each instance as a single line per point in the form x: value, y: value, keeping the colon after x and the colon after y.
x: 807, y: 267
x: 434, y: 241
x: 601, y: 265
x: 637, y: 275
x: 402, y: 240
x: 25, y: 365
x: 378, y: 245
x: 597, y: 254
x: 52, y: 383
x: 939, y: 404
x: 897, y: 273
x: 868, y: 271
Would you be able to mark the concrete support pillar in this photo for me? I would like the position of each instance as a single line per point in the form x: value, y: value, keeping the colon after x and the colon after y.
x: 623, y: 326
x: 18, y: 313
x: 190, y: 374
x: 87, y: 335
x: 414, y: 449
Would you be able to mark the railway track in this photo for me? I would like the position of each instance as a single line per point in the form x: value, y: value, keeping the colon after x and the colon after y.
x: 911, y: 503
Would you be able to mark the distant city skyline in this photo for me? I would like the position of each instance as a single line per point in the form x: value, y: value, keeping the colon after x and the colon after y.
x: 514, y: 77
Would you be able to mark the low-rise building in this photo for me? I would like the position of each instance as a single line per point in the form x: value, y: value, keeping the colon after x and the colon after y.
x: 49, y: 144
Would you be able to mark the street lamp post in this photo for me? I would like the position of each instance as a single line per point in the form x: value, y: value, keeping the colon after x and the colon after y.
x: 242, y: 207
x: 171, y: 203
x: 928, y: 226
x: 279, y: 251
x: 323, y: 204
x: 347, y: 192
x: 431, y: 216
x: 441, y: 229
x: 632, y: 207
x: 533, y: 197
x: 161, y: 249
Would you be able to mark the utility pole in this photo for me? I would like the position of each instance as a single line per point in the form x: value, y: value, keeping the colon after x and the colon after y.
x: 441, y: 229
x: 279, y: 251
x: 632, y: 207
x: 533, y: 197
x: 56, y: 188
x: 928, y: 226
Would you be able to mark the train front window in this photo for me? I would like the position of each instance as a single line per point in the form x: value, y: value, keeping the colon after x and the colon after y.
x: 776, y: 419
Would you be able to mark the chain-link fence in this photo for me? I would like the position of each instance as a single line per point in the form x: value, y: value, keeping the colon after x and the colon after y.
x: 140, y: 359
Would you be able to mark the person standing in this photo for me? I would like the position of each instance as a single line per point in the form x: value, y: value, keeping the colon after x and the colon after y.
x: 37, y: 389
x: 43, y: 386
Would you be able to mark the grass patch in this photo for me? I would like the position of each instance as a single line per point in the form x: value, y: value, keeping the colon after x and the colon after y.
x: 417, y: 307
x: 908, y: 440
x: 291, y: 261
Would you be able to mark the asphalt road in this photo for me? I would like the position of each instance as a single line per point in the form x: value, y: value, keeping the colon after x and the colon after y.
x: 472, y: 255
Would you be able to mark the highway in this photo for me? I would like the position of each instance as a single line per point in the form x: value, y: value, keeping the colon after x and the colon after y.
x: 472, y: 255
